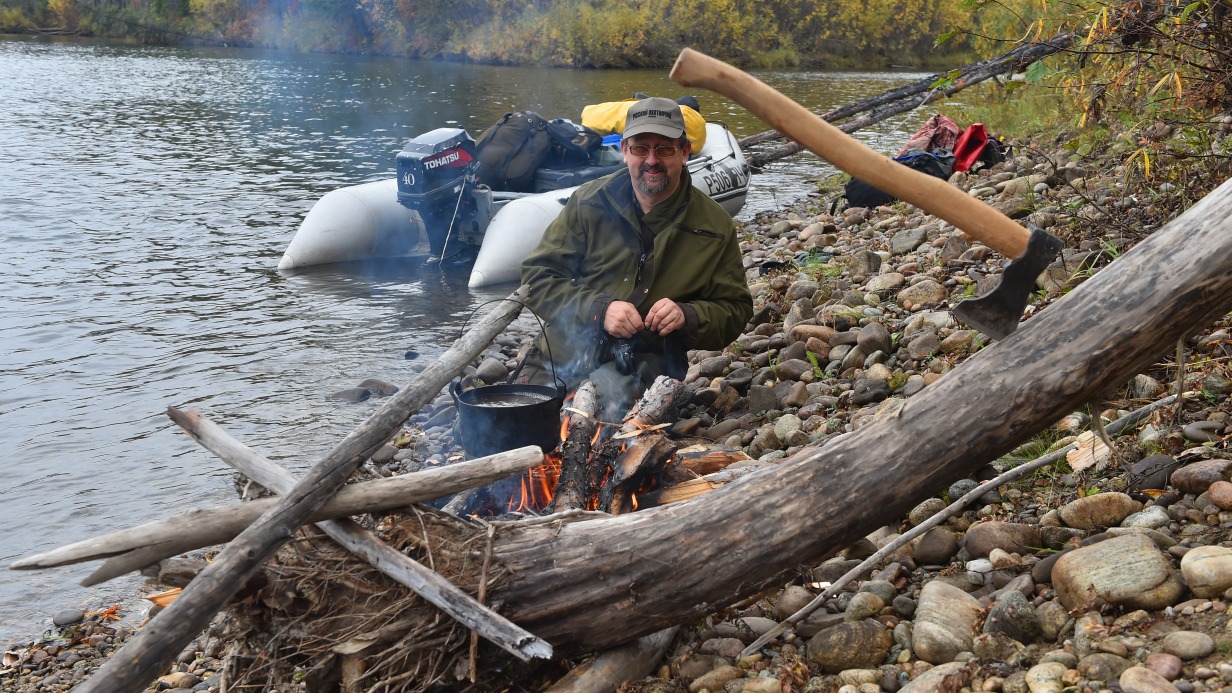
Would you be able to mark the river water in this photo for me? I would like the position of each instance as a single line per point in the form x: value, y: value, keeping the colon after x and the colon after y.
x: 146, y: 195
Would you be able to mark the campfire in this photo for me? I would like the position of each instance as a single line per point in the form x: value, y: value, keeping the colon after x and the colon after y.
x: 612, y: 467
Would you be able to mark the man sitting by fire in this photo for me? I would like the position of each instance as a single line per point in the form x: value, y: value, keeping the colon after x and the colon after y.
x: 637, y: 269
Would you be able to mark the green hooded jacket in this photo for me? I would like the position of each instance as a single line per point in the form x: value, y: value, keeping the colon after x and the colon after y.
x: 602, y: 249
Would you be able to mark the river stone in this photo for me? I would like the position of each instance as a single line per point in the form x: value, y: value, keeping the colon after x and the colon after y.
x: 1099, y: 510
x: 793, y: 598
x: 1144, y: 680
x: 936, y: 547
x: 1143, y: 386
x: 68, y: 617
x: 714, y: 366
x: 723, y: 647
x: 1151, y: 517
x: 907, y: 240
x: 851, y: 645
x: 946, y: 620
x: 1188, y: 644
x: 1015, y: 207
x: 802, y: 288
x: 863, y: 605
x: 352, y: 394
x: 179, y: 680
x: 867, y: 391
x: 717, y: 679
x: 858, y: 677
x: 1169, y: 666
x: 803, y: 333
x: 1014, y: 616
x: 959, y: 340
x: 1207, y: 570
x: 762, y: 399
x: 1052, y: 617
x: 1197, y: 477
x: 998, y: 647
x: 691, y: 665
x: 944, y: 678
x: 1046, y: 677
x: 1016, y: 682
x: 761, y: 684
x: 1022, y: 185
x: 757, y: 625
x: 924, y: 345
x: 864, y: 262
x: 1125, y: 571
x: 925, y: 510
x: 882, y: 588
x: 982, y: 538
x: 1102, y: 666
x: 1220, y: 494
x: 887, y: 282
x: 787, y: 424
x: 874, y: 337
x: 380, y: 388
x: 955, y: 245
x: 792, y: 369
x: 491, y: 371
x: 1217, y: 383
x: 927, y: 291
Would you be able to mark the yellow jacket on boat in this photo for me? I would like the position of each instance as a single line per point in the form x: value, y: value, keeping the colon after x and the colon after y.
x: 608, y: 118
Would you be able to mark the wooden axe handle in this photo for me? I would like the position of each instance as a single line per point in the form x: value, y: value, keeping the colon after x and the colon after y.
x: 933, y: 195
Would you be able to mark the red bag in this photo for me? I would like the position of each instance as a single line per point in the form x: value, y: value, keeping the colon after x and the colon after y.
x: 970, y: 145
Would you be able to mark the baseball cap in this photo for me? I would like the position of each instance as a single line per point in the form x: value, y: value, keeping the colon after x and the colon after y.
x: 656, y: 114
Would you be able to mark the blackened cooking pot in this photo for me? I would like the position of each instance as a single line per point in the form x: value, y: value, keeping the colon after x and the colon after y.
x: 495, y: 418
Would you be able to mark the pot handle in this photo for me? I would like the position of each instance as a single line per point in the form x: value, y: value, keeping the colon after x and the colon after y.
x: 561, y: 386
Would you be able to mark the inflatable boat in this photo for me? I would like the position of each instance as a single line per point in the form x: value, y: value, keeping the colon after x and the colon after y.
x: 436, y: 206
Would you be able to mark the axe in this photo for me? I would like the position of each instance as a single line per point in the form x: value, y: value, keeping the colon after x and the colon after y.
x: 997, y: 313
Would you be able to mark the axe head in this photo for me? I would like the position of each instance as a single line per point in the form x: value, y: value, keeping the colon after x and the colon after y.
x: 997, y: 313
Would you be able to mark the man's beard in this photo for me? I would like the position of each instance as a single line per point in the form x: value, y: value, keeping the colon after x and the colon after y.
x: 646, y: 188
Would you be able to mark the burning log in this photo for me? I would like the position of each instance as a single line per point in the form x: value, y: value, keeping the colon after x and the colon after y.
x: 638, y: 450
x: 581, y: 428
x: 690, y: 463
x: 641, y: 459
x: 692, y: 488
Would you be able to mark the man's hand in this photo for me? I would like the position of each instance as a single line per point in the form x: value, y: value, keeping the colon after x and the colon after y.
x: 622, y: 319
x: 665, y: 317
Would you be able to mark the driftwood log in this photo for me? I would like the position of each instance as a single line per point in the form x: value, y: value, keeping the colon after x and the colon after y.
x: 147, y: 654
x: 202, y: 527
x: 879, y: 108
x: 589, y: 585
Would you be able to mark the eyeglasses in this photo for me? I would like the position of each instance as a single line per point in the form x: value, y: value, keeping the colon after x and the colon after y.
x: 663, y: 151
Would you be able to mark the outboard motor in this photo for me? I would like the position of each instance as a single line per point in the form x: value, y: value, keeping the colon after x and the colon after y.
x: 432, y: 177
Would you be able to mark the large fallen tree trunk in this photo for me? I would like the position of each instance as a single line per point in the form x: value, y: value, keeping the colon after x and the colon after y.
x: 592, y: 584
x: 1011, y: 60
x: 981, y: 73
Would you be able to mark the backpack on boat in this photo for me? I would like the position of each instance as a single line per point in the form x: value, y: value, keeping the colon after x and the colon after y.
x: 511, y: 149
x: 572, y: 144
x: 938, y: 163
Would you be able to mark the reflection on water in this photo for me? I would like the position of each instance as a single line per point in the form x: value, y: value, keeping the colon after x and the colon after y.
x: 147, y: 197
